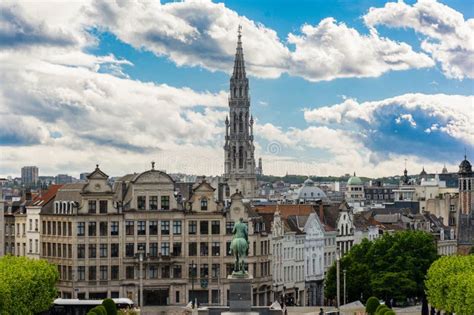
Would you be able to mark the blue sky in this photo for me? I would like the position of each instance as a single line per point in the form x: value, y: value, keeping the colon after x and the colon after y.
x: 336, y: 86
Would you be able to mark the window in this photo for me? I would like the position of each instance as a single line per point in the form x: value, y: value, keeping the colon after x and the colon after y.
x: 192, y: 249
x: 141, y: 228
x: 215, y: 227
x: 165, y: 202
x: 192, y: 227
x: 31, y: 246
x: 177, y: 297
x: 204, y: 271
x: 129, y: 228
x: 81, y: 226
x: 129, y: 249
x: 69, y: 229
x: 215, y: 271
x: 153, y: 228
x: 177, y: 249
x: 153, y: 202
x: 177, y: 271
x: 59, y: 228
x: 103, y: 206
x: 165, y: 227
x: 153, y: 272
x: 204, y: 249
x: 104, y: 273
x: 204, y: 227
x: 165, y: 272
x: 177, y: 227
x: 103, y: 228
x: 153, y: 249
x: 69, y: 251
x: 114, y: 228
x: 114, y: 250
x: 81, y: 273
x: 141, y: 202
x: 92, y: 206
x: 204, y: 204
x: 92, y: 250
x: 192, y: 270
x: 81, y: 251
x: 92, y: 273
x: 31, y: 225
x: 142, y: 247
x: 103, y: 250
x: 114, y: 272
x: 227, y: 249
x: 92, y: 229
x: 229, y: 227
x: 165, y: 248
x: 54, y: 228
x: 129, y: 272
x: 216, y: 249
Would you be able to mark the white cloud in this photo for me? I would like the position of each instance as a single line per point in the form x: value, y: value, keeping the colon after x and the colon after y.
x: 453, y: 113
x: 202, y: 33
x: 332, y: 50
x: 406, y: 117
x: 449, y: 38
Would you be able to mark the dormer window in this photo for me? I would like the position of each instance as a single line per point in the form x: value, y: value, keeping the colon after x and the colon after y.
x: 204, y: 204
x: 141, y: 202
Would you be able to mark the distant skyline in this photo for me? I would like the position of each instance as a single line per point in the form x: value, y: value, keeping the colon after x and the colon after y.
x: 336, y: 86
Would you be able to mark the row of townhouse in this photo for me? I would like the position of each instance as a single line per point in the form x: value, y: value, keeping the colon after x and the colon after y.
x: 95, y: 233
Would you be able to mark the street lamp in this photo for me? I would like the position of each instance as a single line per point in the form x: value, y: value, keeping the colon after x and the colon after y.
x: 344, y: 272
x: 141, y: 254
x: 338, y: 253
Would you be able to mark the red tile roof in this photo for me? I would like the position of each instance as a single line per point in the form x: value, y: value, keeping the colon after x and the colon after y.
x: 286, y: 210
x: 46, y: 197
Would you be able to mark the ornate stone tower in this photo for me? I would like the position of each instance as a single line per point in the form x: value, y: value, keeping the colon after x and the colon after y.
x: 465, y: 224
x: 239, y: 168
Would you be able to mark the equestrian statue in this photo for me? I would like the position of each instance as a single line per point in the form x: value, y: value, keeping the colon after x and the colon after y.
x: 240, y: 247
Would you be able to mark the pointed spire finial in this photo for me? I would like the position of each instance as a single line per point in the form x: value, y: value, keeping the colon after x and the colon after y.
x: 97, y: 166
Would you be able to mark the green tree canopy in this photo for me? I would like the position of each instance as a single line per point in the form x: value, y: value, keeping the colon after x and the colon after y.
x: 372, y: 304
x: 27, y: 286
x: 392, y: 266
x: 450, y: 284
x: 110, y: 306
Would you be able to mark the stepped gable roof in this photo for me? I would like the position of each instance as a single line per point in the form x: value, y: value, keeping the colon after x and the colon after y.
x: 286, y: 209
x: 47, y: 196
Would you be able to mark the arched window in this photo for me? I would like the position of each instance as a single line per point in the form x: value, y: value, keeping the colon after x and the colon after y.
x: 240, y: 91
x: 241, y: 123
x: 204, y: 203
x: 235, y: 92
x: 241, y: 157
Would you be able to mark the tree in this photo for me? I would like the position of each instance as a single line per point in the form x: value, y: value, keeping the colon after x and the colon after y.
x: 381, y: 309
x: 450, y: 284
x: 110, y: 306
x: 372, y: 304
x: 393, y: 266
x: 389, y: 312
x: 27, y: 286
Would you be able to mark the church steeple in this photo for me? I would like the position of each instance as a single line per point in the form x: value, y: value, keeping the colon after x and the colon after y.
x: 239, y: 169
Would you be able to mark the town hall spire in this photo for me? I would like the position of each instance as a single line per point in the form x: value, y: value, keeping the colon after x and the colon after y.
x: 239, y: 169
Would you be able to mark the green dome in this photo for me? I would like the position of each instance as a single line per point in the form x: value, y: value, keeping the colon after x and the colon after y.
x: 354, y: 180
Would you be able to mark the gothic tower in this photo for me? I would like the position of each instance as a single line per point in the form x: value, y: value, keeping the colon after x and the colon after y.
x: 239, y: 168
x: 465, y: 224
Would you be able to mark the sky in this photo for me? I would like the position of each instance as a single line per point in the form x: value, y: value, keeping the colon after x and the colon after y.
x: 336, y: 86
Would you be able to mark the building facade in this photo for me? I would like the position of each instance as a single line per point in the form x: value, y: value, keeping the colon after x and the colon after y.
x: 29, y: 175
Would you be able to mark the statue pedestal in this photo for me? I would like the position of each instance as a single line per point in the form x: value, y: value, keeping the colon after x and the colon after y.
x: 240, y: 293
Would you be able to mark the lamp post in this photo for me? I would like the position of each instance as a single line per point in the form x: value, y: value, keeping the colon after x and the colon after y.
x: 337, y: 278
x: 344, y: 273
x: 141, y: 254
